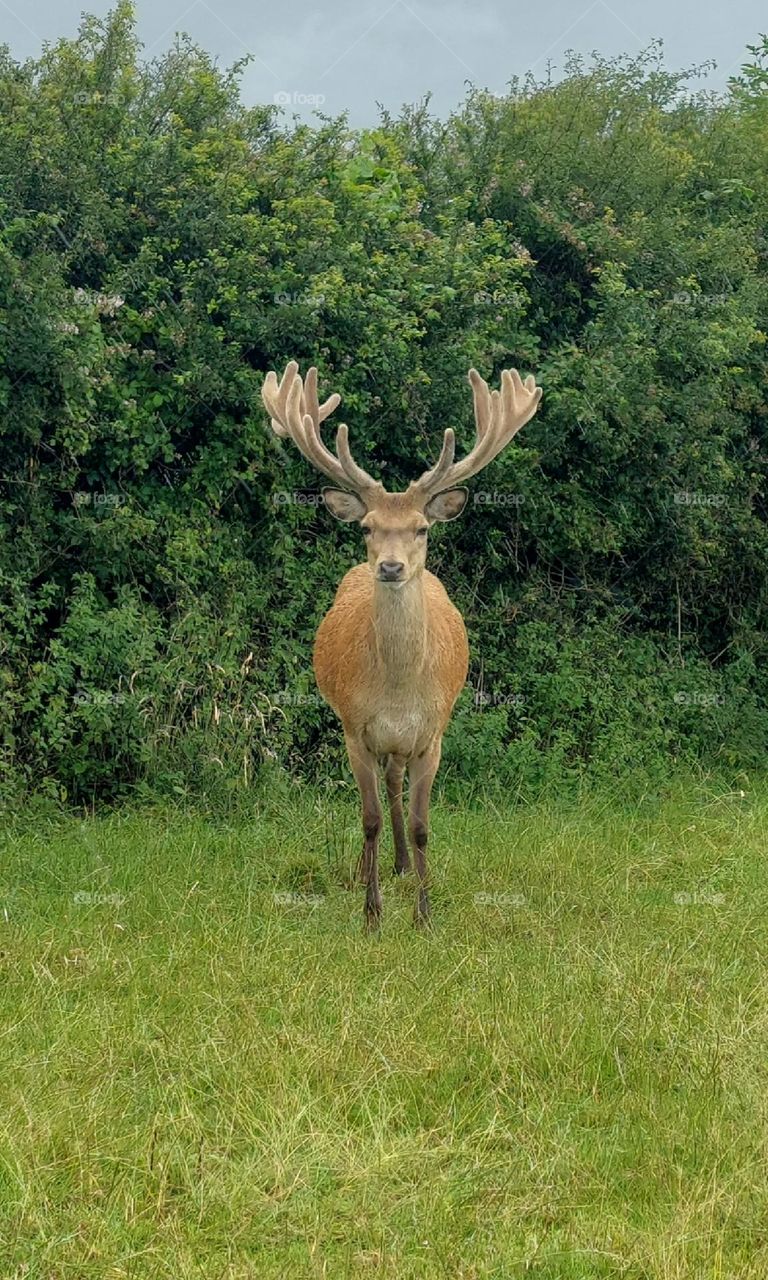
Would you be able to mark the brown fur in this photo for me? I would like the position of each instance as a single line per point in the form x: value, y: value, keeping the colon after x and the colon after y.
x: 392, y: 664
x: 391, y: 655
x: 391, y: 659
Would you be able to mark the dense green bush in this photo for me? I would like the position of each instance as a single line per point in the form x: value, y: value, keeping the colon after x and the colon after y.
x: 161, y: 246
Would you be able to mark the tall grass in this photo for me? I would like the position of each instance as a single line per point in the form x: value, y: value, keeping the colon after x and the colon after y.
x: 206, y: 1068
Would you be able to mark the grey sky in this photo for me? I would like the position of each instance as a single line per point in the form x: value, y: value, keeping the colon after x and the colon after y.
x: 351, y: 53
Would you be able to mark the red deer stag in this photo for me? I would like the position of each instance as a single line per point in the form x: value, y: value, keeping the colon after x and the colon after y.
x: 391, y: 655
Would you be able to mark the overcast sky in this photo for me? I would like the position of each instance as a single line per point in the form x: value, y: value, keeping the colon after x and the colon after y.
x: 349, y: 54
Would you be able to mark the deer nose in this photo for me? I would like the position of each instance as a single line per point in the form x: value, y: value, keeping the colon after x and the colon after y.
x: 390, y: 570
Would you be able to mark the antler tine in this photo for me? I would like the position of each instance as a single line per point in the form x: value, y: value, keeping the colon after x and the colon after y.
x: 295, y: 411
x: 443, y: 464
x: 318, y: 412
x: 481, y: 397
x: 275, y: 396
x: 499, y: 415
x: 357, y: 478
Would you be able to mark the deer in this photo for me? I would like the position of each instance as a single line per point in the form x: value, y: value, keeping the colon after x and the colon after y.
x: 391, y: 655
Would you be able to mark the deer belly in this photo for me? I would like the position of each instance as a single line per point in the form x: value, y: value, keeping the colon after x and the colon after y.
x: 399, y: 730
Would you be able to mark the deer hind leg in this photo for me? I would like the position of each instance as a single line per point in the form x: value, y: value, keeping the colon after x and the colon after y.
x: 421, y: 774
x: 365, y: 768
x: 394, y: 776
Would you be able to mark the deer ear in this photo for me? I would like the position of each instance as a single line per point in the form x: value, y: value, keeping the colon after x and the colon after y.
x: 446, y: 506
x: 344, y: 506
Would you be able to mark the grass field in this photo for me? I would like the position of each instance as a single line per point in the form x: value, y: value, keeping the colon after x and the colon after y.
x: 207, y: 1070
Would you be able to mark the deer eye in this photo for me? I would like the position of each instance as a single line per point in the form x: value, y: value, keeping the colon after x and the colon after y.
x: 421, y: 533
x: 365, y: 529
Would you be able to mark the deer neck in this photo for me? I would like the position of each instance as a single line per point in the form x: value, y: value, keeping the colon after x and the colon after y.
x: 400, y: 629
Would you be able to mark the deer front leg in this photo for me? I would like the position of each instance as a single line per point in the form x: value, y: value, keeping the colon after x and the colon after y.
x: 364, y: 767
x: 394, y: 775
x: 421, y: 774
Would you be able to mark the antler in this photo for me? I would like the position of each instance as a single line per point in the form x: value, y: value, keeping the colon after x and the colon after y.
x: 498, y: 416
x: 295, y: 411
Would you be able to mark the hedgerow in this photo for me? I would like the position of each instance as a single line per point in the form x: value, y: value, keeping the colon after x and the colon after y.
x: 163, y: 561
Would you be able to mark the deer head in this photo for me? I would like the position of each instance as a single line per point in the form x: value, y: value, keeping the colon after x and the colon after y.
x: 395, y: 525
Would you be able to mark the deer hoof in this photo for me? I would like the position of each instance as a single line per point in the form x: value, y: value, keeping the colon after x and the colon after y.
x: 372, y: 911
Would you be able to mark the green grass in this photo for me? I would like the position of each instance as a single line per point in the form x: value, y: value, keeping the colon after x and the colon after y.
x: 566, y: 1078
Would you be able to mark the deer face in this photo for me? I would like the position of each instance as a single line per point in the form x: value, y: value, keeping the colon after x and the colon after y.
x: 395, y: 528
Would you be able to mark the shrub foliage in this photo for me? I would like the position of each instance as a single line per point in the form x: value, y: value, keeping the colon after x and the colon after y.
x: 162, y: 245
